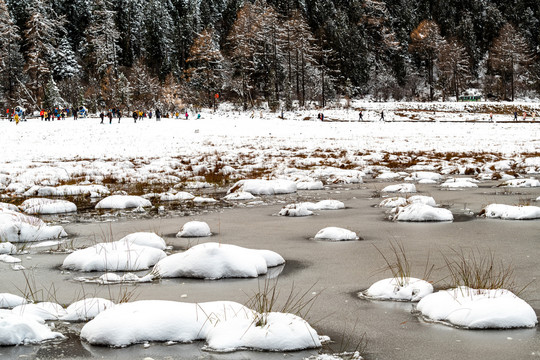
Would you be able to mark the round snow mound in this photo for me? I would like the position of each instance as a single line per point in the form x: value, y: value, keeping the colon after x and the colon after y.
x: 478, y: 309
x: 195, y: 229
x: 336, y: 234
x: 418, y: 212
x: 123, y: 202
x: 47, y: 206
x: 402, y: 289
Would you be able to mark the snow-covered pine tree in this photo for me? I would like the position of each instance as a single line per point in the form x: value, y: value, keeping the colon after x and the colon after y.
x: 51, y: 97
x: 11, y: 60
x: 205, y: 67
x: 454, y: 68
x: 41, y: 35
x: 64, y: 63
x: 159, y: 37
x: 145, y: 86
x: 130, y: 22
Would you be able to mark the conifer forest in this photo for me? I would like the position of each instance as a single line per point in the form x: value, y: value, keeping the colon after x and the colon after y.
x: 136, y: 54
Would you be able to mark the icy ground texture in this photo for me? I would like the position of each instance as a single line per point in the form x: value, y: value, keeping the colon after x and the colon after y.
x: 478, y: 309
x: 136, y: 251
x: 216, y: 261
x: 16, y: 227
x: 402, y: 289
x: 242, y: 147
x: 511, y: 212
x: 224, y: 325
x: 195, y: 229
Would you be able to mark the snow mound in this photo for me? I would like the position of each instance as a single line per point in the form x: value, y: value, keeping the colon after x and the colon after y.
x: 86, y: 309
x: 68, y: 190
x: 195, y: 229
x: 406, y: 289
x: 122, y: 202
x: 47, y: 206
x: 131, y: 253
x: 16, y: 227
x: 264, y: 187
x: 43, y: 311
x: 204, y: 200
x: 179, y: 196
x: 457, y: 183
x: 295, y: 210
x: 18, y: 330
x: 241, y: 195
x: 8, y: 301
x: 478, y: 309
x: 217, y: 261
x: 7, y: 206
x: 388, y: 175
x: 145, y: 239
x: 9, y: 259
x: 329, y: 205
x: 393, y: 202
x: 310, y: 185
x: 521, y: 183
x: 225, y: 325
x: 335, y: 234
x: 422, y: 199
x: 421, y: 212
x: 7, y: 248
x: 424, y: 175
x: 510, y: 212
x: 400, y: 188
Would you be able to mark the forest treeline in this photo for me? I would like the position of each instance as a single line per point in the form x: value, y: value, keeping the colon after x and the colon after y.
x: 173, y: 53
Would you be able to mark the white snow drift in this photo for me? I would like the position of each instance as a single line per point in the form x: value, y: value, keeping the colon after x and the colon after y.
x: 459, y: 183
x: 16, y: 227
x: 225, y: 325
x: 216, y: 261
x: 478, y: 309
x: 521, y: 183
x: 510, y: 212
x: 402, y: 289
x: 419, y: 212
x: 47, y: 206
x: 336, y: 234
x: 264, y: 187
x: 195, y: 229
x: 86, y: 309
x: 133, y: 252
x: 19, y: 330
x: 123, y: 202
x: 400, y: 188
x: 68, y: 190
x: 9, y: 301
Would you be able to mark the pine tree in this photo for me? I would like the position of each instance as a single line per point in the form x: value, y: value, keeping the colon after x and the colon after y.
x: 52, y: 98
x: 65, y: 64
x: 42, y: 31
x: 124, y: 92
x: 159, y: 37
x: 510, y: 57
x: 145, y: 87
x: 11, y: 60
x: 206, y: 66
x: 426, y: 41
x: 454, y: 67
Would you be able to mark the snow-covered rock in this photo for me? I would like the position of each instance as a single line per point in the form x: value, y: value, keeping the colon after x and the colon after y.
x: 393, y: 202
x: 264, y: 187
x: 216, y: 261
x: 7, y: 248
x: 424, y: 175
x: 406, y: 289
x: 241, y: 195
x: 295, y: 210
x: 145, y: 239
x: 329, y: 205
x: 86, y: 309
x: 456, y: 183
x: 19, y: 330
x: 204, y: 200
x: 179, y: 196
x: 421, y: 212
x: 521, y: 183
x: 123, y: 202
x: 8, y: 301
x: 388, y: 175
x: 16, y: 227
x: 336, y: 234
x: 43, y: 311
x: 422, y: 199
x: 310, y: 185
x: 225, y: 325
x: 400, y: 188
x: 194, y: 229
x: 67, y: 190
x: 9, y: 259
x: 478, y: 309
x: 511, y: 212
x: 47, y: 206
x: 8, y: 206
x: 122, y: 255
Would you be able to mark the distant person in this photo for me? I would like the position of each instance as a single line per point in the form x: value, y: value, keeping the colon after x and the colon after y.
x: 135, y: 116
x: 16, y: 118
x: 102, y: 116
x: 109, y: 115
x: 42, y: 114
x: 187, y: 115
x: 533, y: 116
x: 491, y: 117
x: 158, y: 115
x: 515, y: 116
x: 360, y: 116
x: 524, y: 116
x: 119, y: 114
x: 198, y: 116
x: 382, y: 115
x: 75, y: 114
